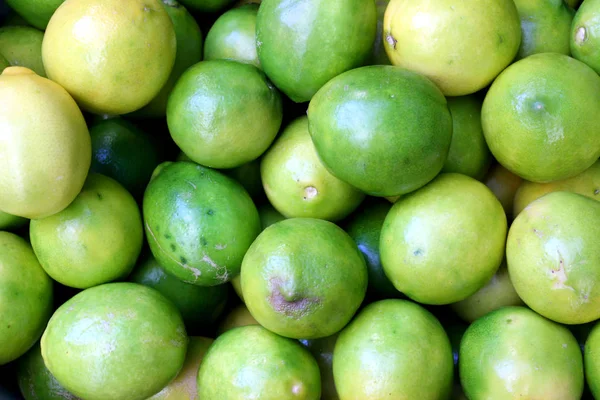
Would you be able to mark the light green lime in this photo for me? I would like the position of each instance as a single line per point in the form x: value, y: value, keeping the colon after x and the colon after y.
x: 22, y: 46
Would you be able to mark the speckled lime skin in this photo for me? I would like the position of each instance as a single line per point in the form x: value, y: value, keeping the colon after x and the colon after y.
x: 97, y: 338
x: 272, y: 368
x: 199, y: 222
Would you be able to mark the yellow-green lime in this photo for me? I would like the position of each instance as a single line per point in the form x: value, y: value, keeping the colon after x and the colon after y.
x: 239, y: 316
x: 585, y: 34
x: 22, y: 46
x: 35, y: 12
x: 504, y: 184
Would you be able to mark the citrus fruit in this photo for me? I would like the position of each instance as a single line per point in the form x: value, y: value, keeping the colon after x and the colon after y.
x: 586, y: 183
x: 183, y: 387
x: 25, y: 297
x: 268, y: 215
x: 553, y: 257
x: 112, y: 56
x: 585, y: 38
x: 10, y: 222
x: 122, y: 151
x: 223, y: 113
x: 322, y: 351
x: 545, y: 27
x: 189, y: 52
x: 233, y: 36
x: 35, y: 381
x: 382, y: 129
x: 239, y: 316
x: 303, y: 278
x: 207, y: 6
x: 460, y: 45
x: 536, y: 117
x: 445, y: 241
x: 45, y: 145
x: 22, y: 46
x: 393, y: 349
x: 297, y: 183
x: 236, y: 283
x: 514, y: 353
x: 302, y: 44
x: 378, y: 55
x: 35, y: 12
x: 248, y: 175
x: 591, y: 360
x: 498, y: 292
x: 199, y: 222
x: 504, y: 184
x: 116, y: 329
x: 199, y: 306
x: 95, y: 240
x: 364, y: 226
x: 272, y: 368
x: 468, y: 154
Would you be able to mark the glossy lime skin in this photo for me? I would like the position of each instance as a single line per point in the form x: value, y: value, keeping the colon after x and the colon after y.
x: 97, y: 338
x: 383, y: 129
x: 233, y: 36
x: 469, y: 154
x: 445, y: 241
x: 585, y: 34
x: 303, y: 278
x: 95, y: 240
x: 322, y: 351
x: 25, y: 297
x: 553, y: 257
x: 393, y: 349
x: 303, y: 44
x: 22, y: 46
x: 297, y: 183
x: 200, y: 306
x: 536, y: 117
x: 199, y: 222
x: 514, y: 353
x: 223, y: 113
x: 36, y: 12
x: 364, y: 226
x: 272, y: 368
x: 35, y: 380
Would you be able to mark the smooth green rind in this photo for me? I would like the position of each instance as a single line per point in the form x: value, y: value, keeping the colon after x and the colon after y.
x: 22, y: 46
x: 585, y: 34
x: 11, y: 222
x: 35, y: 12
x: 302, y: 44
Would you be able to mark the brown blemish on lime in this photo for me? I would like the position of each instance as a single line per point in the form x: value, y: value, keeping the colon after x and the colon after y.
x: 291, y: 305
x: 310, y: 192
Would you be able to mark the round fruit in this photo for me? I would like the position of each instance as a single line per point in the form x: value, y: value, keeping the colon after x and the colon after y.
x: 239, y: 316
x: 199, y: 306
x: 272, y: 368
x: 112, y: 330
x: 296, y: 182
x: 249, y: 176
x: 586, y: 183
x: 96, y: 239
x: 322, y: 351
x: 22, y: 46
x: 184, y: 386
x: 11, y: 222
x: 545, y: 27
x: 585, y: 39
x: 45, y: 145
x: 554, y: 259
x: 206, y: 6
x: 112, y: 56
x: 393, y: 349
x: 591, y: 360
x: 497, y: 293
x: 468, y: 154
x: 268, y: 215
x: 199, y: 222
x: 383, y: 129
x: 461, y: 45
x: 364, y: 226
x: 514, y: 353
x: 223, y: 113
x: 35, y: 12
x: 536, y: 117
x: 444, y: 242
x: 236, y: 282
x: 36, y: 382
x: 504, y: 184
x: 303, y: 44
x: 25, y: 297
x: 233, y: 36
x: 303, y: 278
x: 378, y: 54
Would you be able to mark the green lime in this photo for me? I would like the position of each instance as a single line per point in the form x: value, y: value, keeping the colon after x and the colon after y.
x: 200, y: 306
x: 504, y: 184
x: 35, y: 12
x: 10, y: 222
x: 25, y: 297
x: 297, y: 183
x: 382, y: 129
x: 303, y: 44
x: 236, y: 283
x: 118, y: 341
x: 233, y: 36
x: 322, y: 351
x: 268, y: 215
x: 223, y: 113
x: 303, y: 278
x: 199, y: 222
x: 271, y: 368
x: 585, y: 34
x: 249, y: 176
x: 239, y: 316
x: 514, y: 353
x: 22, y: 46
x: 96, y: 239
x: 393, y: 349
x: 592, y: 360
x: 537, y: 121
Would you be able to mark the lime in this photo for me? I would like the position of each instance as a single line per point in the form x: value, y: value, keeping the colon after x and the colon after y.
x: 585, y: 35
x: 10, y: 222
x: 592, y: 360
x: 239, y: 316
x: 504, y: 184
x: 22, y: 46
x: 35, y: 12
x: 322, y: 351
x: 268, y: 215
x: 236, y: 283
